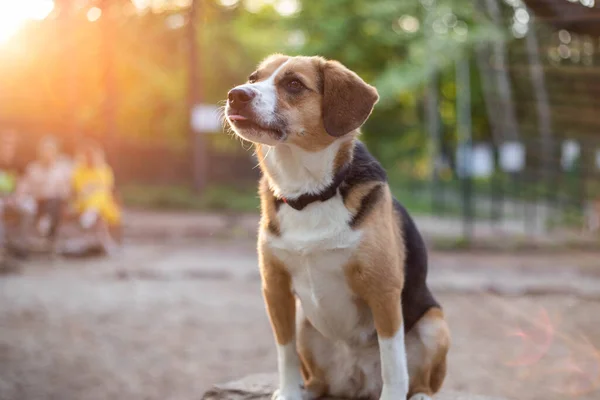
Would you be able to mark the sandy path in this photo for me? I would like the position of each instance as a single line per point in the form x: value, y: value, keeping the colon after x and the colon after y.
x: 192, y: 315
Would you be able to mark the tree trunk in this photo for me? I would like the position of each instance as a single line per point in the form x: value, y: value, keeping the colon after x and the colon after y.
x: 541, y: 96
x: 482, y: 57
x: 507, y: 120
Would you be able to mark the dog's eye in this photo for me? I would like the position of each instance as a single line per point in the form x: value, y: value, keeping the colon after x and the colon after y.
x: 252, y: 78
x: 295, y: 85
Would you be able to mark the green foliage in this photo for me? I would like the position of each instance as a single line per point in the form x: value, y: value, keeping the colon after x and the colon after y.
x: 396, y: 46
x: 61, y: 79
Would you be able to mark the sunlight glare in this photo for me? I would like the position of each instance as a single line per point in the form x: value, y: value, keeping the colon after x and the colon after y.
x: 141, y: 4
x: 285, y: 8
x: 253, y: 6
x: 408, y: 23
x: 229, y: 3
x: 13, y: 15
x: 94, y: 14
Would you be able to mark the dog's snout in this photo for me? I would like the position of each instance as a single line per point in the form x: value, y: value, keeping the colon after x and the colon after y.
x: 240, y: 97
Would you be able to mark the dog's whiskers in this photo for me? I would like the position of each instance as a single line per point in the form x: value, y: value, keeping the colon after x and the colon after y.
x: 222, y: 117
x: 264, y: 158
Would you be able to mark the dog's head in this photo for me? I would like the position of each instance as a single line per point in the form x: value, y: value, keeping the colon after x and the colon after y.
x: 306, y: 101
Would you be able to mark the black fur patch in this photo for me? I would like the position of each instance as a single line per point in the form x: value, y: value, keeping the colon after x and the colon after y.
x: 366, y: 205
x: 363, y: 168
x: 416, y: 297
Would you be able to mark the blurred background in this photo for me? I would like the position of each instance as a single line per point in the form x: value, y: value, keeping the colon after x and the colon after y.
x: 487, y: 126
x: 487, y: 111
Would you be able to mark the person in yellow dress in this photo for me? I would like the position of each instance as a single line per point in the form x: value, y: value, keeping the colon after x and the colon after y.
x: 93, y: 189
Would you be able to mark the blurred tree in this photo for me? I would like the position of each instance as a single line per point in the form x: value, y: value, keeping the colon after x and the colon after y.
x: 63, y: 57
x: 397, y: 46
x: 382, y: 40
x: 393, y: 44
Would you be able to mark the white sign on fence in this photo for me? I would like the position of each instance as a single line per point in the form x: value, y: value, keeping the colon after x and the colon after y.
x: 476, y: 161
x: 570, y: 153
x: 483, y: 161
x: 205, y: 118
x: 512, y: 156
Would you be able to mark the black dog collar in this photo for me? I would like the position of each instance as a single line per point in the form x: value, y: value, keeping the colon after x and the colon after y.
x: 326, y: 194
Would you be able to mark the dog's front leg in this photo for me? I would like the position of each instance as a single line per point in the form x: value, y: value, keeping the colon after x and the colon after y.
x: 387, y: 315
x: 381, y: 289
x: 281, y: 307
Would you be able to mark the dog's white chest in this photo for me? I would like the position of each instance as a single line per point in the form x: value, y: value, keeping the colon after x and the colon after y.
x: 315, y: 245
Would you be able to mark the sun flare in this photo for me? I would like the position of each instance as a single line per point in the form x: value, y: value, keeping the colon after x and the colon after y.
x: 14, y: 14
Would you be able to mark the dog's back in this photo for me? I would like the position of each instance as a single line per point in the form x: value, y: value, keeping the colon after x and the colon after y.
x: 416, y: 296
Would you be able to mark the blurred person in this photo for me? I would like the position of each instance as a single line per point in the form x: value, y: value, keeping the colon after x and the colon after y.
x: 8, y: 170
x: 44, y: 189
x: 9, y: 173
x: 93, y: 192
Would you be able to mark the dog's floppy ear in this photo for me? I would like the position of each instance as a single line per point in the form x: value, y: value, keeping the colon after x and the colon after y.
x: 347, y: 99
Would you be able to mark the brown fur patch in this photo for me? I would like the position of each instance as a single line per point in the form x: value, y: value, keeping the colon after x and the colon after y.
x: 428, y: 372
x: 357, y: 193
x: 268, y: 66
x: 438, y: 374
x: 438, y: 371
x: 268, y: 221
x: 344, y: 154
x: 376, y: 273
x: 347, y: 99
x: 277, y: 293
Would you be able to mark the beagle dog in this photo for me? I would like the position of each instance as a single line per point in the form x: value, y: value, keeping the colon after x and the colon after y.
x: 343, y: 266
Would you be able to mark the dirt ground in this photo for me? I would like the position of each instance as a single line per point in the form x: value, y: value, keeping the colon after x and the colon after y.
x: 166, y: 320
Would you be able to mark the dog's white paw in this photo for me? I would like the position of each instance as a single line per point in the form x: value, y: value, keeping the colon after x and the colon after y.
x: 291, y: 394
x: 420, y: 396
x: 395, y: 392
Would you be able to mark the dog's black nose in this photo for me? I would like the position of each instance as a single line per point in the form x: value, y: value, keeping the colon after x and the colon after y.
x: 240, y: 97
